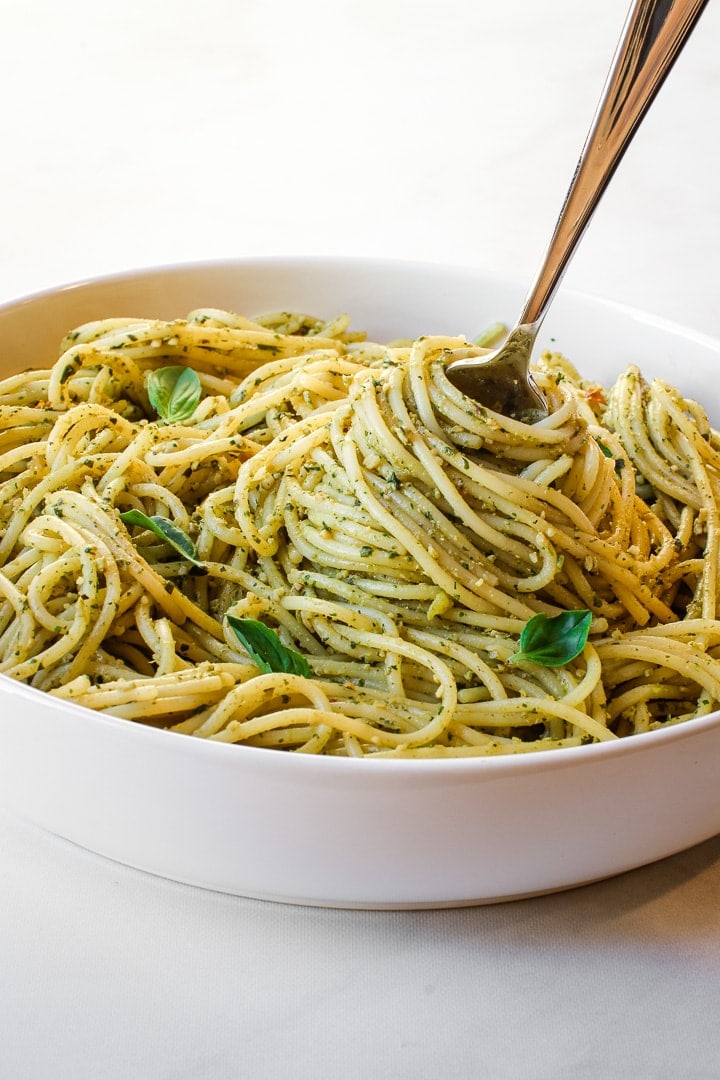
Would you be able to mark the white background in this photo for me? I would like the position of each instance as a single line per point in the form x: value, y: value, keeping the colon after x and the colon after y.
x: 151, y: 131
x: 154, y: 131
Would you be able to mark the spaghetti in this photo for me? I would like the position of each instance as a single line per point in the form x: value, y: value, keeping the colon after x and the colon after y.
x: 395, y: 534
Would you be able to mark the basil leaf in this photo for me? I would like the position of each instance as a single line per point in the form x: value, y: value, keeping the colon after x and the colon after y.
x: 554, y: 641
x: 619, y: 462
x: 605, y: 449
x: 165, y: 530
x: 174, y: 392
x: 266, y: 649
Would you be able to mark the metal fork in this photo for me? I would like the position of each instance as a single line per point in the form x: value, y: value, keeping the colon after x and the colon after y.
x: 652, y: 38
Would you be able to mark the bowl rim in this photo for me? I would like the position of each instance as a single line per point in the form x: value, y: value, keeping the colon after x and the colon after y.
x: 495, y: 765
x: 489, y: 766
x: 357, y: 262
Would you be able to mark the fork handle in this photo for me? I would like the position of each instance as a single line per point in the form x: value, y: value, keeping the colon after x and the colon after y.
x: 654, y: 33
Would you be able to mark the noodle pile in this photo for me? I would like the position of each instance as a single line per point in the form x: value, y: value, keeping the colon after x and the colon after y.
x: 391, y: 531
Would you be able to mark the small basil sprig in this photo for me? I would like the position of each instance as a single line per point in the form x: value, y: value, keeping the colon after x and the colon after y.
x: 165, y: 530
x: 554, y: 641
x: 619, y: 462
x: 266, y: 649
x: 174, y: 392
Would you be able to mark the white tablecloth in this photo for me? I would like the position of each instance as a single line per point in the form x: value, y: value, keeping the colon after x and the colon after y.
x: 154, y: 131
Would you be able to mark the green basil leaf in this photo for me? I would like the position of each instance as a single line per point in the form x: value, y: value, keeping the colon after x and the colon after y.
x: 619, y: 462
x: 174, y: 392
x: 165, y: 530
x: 266, y: 649
x: 605, y: 449
x: 554, y: 641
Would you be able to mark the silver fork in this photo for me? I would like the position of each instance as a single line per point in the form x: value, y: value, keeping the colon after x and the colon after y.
x: 652, y: 38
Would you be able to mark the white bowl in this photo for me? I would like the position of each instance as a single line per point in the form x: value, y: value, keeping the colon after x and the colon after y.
x: 343, y: 832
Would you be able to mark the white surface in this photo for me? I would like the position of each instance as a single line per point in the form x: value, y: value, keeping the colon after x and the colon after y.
x: 226, y: 816
x: 156, y: 131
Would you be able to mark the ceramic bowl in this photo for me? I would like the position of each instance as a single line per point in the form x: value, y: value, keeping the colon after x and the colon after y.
x: 343, y: 832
